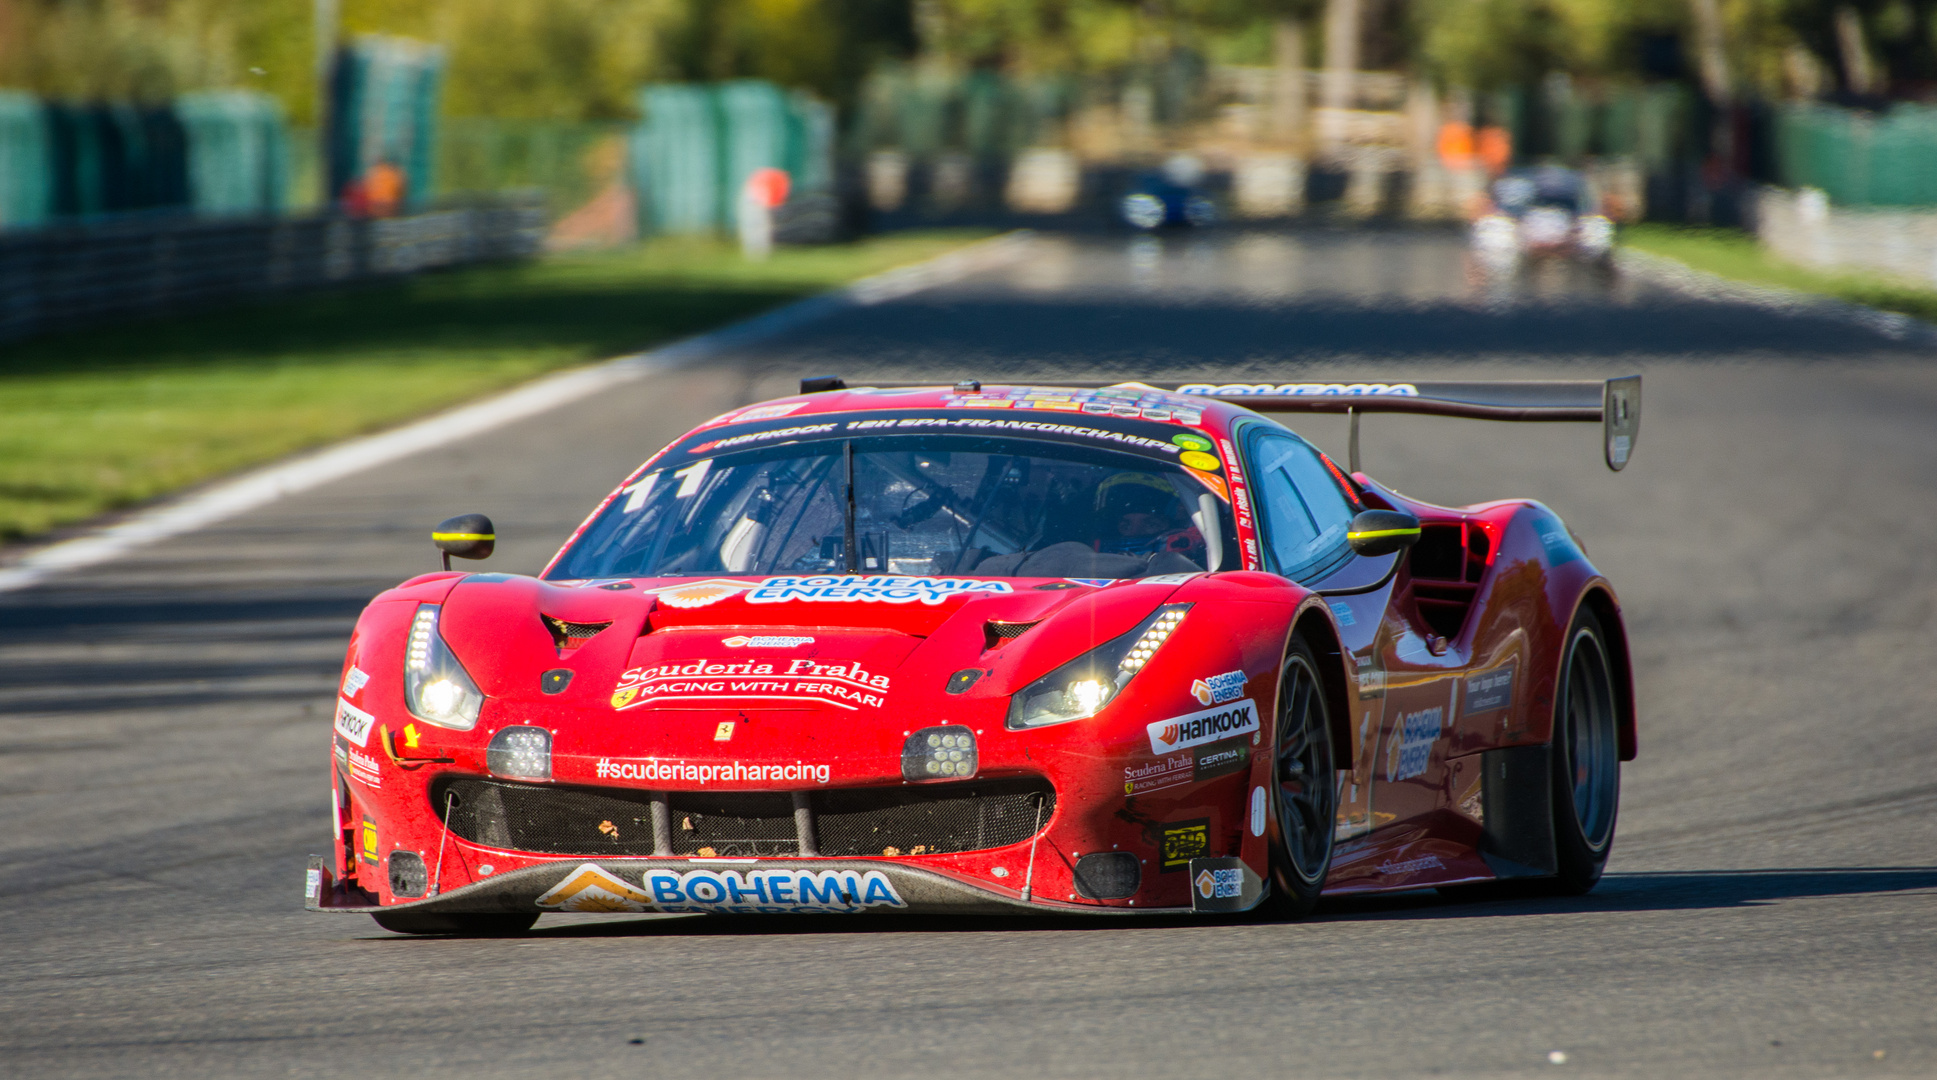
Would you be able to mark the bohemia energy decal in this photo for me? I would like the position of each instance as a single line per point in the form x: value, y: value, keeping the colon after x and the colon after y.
x: 701, y: 684
x: 773, y: 892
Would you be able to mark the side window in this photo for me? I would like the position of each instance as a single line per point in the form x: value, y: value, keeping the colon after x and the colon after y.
x: 1305, y: 513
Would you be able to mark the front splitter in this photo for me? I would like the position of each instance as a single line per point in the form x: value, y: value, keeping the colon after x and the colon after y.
x: 710, y: 886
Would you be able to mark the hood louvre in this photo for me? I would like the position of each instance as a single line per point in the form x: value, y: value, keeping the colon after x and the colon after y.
x: 995, y: 633
x: 571, y: 635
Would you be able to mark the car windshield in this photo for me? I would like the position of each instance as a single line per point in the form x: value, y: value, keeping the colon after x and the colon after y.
x: 922, y: 505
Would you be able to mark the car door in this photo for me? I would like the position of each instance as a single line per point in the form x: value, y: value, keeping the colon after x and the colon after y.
x: 1305, y: 512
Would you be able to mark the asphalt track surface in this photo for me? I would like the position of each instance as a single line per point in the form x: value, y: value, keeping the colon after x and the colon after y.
x: 1770, y: 911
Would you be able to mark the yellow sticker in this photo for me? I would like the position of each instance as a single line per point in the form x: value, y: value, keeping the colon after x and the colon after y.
x: 370, y: 847
x: 1197, y: 459
x: 622, y: 698
x: 411, y: 735
x: 724, y: 732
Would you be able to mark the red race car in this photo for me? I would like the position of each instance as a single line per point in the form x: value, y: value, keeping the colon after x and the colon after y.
x: 1002, y: 649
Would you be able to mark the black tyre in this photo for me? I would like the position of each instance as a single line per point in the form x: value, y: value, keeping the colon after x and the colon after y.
x: 1304, y: 789
x: 457, y: 924
x: 1587, y: 758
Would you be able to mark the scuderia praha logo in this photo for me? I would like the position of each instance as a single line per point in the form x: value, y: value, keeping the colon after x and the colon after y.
x: 1237, y: 718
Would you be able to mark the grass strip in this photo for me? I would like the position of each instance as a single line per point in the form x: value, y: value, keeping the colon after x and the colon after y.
x: 1731, y: 253
x: 97, y: 420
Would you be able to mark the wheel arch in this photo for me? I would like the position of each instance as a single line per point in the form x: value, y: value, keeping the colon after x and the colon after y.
x: 1318, y: 631
x: 1601, y: 602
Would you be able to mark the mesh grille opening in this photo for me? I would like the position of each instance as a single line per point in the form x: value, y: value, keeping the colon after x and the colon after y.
x: 994, y: 633
x: 744, y: 825
x: 924, y: 819
x: 547, y: 819
x: 931, y: 818
x: 571, y: 635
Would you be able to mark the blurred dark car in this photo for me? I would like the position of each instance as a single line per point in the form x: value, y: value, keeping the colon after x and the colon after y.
x: 1543, y: 211
x: 1170, y: 197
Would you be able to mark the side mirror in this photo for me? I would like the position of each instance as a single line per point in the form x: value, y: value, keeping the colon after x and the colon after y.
x: 468, y: 536
x: 1382, y: 532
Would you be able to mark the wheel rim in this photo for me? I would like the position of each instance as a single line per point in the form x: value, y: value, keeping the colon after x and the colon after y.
x: 1593, y: 753
x: 1307, y: 791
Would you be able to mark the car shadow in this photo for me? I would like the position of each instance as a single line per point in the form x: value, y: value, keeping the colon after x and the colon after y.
x: 1692, y: 890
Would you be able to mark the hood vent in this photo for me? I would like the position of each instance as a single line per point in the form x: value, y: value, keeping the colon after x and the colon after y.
x: 995, y: 633
x: 571, y: 635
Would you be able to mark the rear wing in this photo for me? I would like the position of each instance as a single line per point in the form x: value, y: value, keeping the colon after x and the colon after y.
x: 1615, y: 404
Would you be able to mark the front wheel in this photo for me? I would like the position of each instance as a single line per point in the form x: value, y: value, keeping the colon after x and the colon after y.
x: 1304, y: 790
x: 1587, y: 759
x: 456, y: 924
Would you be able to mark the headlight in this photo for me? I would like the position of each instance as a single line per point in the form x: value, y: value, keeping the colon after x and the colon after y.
x: 436, y: 687
x: 1083, y: 686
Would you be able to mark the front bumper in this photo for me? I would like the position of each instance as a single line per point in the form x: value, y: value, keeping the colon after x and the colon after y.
x: 726, y: 887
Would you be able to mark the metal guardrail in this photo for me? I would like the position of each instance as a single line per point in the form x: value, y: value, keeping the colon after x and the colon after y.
x: 55, y: 278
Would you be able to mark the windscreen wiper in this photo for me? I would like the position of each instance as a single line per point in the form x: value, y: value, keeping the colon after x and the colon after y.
x: 852, y: 553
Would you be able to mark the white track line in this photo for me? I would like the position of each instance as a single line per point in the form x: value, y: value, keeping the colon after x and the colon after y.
x: 266, y: 485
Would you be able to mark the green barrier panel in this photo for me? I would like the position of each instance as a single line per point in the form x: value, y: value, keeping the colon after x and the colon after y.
x: 1859, y: 158
x: 238, y: 153
x: 24, y: 192
x: 696, y: 145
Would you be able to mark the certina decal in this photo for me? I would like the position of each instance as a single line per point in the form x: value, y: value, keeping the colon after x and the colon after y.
x: 1304, y: 389
x: 1488, y: 690
x: 1198, y: 728
x: 590, y: 888
x: 771, y: 891
x: 1181, y: 841
x: 1219, y: 689
x: 354, y: 680
x: 1424, y: 862
x: 353, y: 723
x: 1557, y: 541
x: 729, y: 772
x: 1412, y: 745
x: 765, y: 642
x: 870, y: 589
x: 1220, y: 759
x: 846, y: 686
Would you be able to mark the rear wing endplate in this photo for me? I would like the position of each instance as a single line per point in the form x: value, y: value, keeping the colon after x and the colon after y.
x: 1613, y: 403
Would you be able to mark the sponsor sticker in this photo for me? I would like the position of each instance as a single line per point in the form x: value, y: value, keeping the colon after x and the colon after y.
x: 1343, y: 612
x: 727, y: 772
x: 1257, y: 811
x: 353, y: 723
x: 1556, y: 541
x: 1220, y: 884
x: 1220, y: 759
x: 771, y: 891
x: 354, y: 680
x: 1219, y: 689
x: 768, y: 412
x: 724, y: 732
x: 1304, y: 389
x: 1197, y: 459
x: 369, y: 848
x: 870, y: 589
x: 1488, y: 690
x: 699, y: 594
x: 1409, y: 866
x: 1412, y: 745
x: 1181, y: 841
x: 761, y: 436
x: 590, y: 888
x: 1003, y: 423
x: 364, y: 769
x: 1196, y: 729
x: 770, y: 641
x: 313, y: 884
x: 1192, y: 442
x: 1166, y: 772
x: 842, y: 685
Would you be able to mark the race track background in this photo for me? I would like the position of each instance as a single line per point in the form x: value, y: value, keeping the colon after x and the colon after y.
x: 1770, y: 909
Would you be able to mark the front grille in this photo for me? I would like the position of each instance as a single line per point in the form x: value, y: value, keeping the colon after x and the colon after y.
x: 926, y: 819
x: 923, y: 819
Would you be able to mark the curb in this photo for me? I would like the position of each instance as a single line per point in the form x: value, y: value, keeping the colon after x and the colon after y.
x: 262, y: 486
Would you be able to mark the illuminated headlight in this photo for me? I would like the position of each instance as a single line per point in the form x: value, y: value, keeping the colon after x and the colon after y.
x: 1596, y: 234
x: 521, y: 752
x: 939, y: 753
x: 1083, y: 686
x: 437, y: 689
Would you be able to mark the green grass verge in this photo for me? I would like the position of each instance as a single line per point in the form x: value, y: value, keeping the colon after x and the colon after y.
x: 1731, y: 253
x: 96, y: 420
